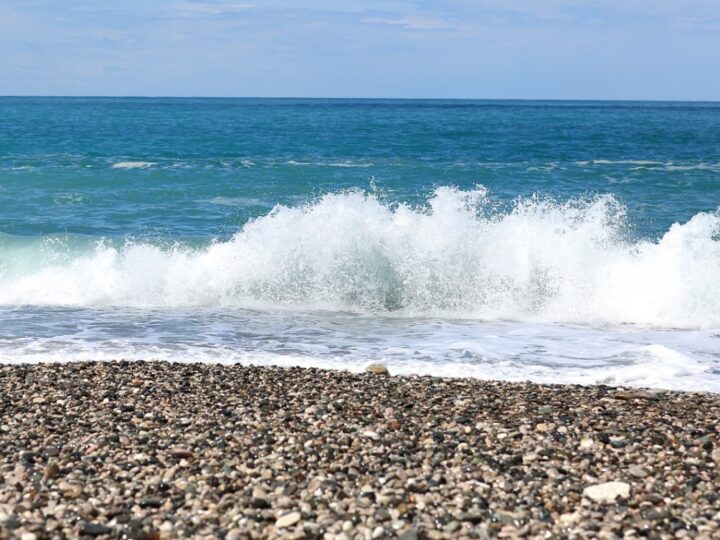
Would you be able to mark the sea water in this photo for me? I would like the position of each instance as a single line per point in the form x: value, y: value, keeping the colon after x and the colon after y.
x: 571, y: 242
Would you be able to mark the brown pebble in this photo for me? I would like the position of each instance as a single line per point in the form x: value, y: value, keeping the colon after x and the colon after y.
x: 182, y: 453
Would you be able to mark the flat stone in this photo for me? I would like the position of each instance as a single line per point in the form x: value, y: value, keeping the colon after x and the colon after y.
x: 452, y: 526
x: 288, y: 520
x: 637, y: 471
x: 471, y: 517
x: 259, y: 503
x: 182, y: 453
x: 51, y: 472
x: 607, y: 492
x: 234, y: 534
x: 632, y: 394
x: 12, y: 523
x: 409, y: 534
x: 94, y: 529
x: 508, y: 517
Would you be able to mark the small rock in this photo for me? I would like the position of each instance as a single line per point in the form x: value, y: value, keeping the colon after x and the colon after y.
x: 632, y: 394
x: 510, y: 518
x: 637, y: 471
x: 618, y: 442
x: 70, y: 491
x: 569, y: 518
x: 471, y: 517
x: 288, y: 520
x: 656, y: 514
x: 452, y: 526
x: 51, y: 472
x: 182, y: 453
x: 377, y: 369
x: 654, y: 498
x: 259, y: 503
x: 234, y: 534
x: 607, y: 492
x: 94, y: 529
x: 409, y: 534
x: 12, y: 523
x: 586, y: 443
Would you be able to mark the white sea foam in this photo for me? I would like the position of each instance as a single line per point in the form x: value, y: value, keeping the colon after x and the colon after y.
x: 645, y: 162
x: 548, y: 353
x: 542, y: 261
x: 349, y: 165
x: 133, y: 165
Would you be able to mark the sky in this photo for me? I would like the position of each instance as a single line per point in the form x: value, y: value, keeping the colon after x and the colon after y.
x: 514, y: 49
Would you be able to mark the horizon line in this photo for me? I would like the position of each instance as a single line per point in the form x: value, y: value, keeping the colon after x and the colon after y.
x: 355, y: 98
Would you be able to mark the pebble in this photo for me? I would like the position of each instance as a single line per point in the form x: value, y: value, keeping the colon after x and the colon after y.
x: 632, y: 394
x: 638, y: 472
x: 182, y: 453
x: 288, y: 520
x: 377, y: 369
x: 408, y: 534
x: 607, y: 492
x: 94, y: 529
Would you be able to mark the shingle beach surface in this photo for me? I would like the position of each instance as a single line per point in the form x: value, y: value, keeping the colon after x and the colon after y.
x: 160, y: 450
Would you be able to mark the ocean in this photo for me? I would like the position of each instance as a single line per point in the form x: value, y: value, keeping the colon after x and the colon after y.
x: 549, y: 241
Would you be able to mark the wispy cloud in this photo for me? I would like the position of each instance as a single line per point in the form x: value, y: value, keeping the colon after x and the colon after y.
x: 411, y: 22
x: 208, y: 8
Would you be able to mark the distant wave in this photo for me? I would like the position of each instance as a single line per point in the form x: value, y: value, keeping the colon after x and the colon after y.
x: 622, y: 162
x: 661, y: 165
x: 349, y: 165
x: 698, y: 166
x: 455, y: 256
x: 235, y: 201
x: 133, y: 165
x: 341, y: 164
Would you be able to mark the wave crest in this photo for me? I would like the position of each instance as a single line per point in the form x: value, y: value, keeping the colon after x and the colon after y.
x: 457, y: 256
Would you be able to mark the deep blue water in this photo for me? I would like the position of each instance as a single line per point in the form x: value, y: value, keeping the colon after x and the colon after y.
x: 517, y: 239
x: 661, y: 160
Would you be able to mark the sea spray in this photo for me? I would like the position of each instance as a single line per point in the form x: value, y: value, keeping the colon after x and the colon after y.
x: 458, y: 255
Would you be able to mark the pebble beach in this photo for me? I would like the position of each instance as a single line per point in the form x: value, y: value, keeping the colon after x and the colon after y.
x: 150, y: 450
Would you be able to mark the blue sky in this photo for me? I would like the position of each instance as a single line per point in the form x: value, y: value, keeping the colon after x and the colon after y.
x: 598, y: 49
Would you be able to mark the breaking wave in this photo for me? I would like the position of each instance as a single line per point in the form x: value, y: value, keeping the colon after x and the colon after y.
x: 456, y: 256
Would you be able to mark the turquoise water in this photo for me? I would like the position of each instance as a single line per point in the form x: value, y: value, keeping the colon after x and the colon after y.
x: 570, y: 241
